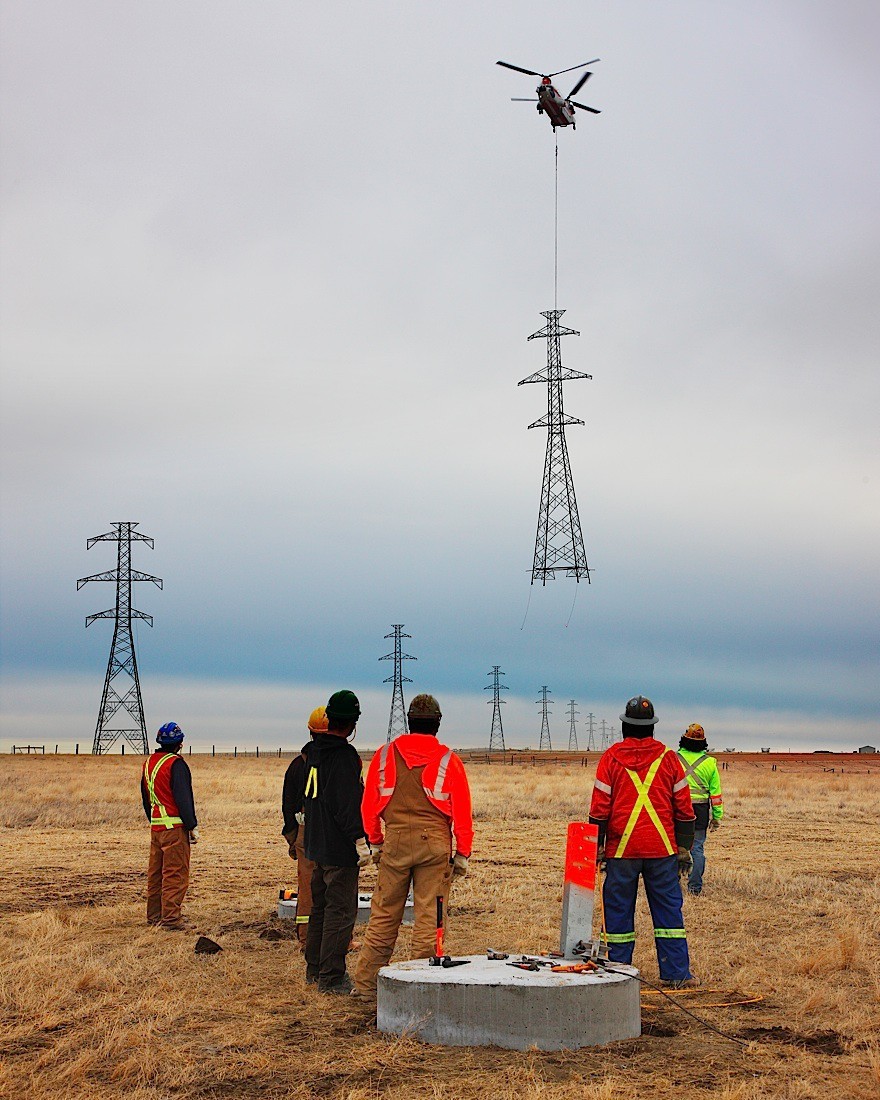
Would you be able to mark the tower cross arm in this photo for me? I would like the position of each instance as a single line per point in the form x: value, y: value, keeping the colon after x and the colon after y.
x: 108, y: 575
x: 137, y: 575
x: 390, y: 679
x: 111, y: 614
x: 563, y: 374
x: 403, y: 657
x: 113, y: 536
x: 555, y: 422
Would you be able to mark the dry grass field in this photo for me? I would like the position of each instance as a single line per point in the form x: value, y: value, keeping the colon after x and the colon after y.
x: 96, y: 1005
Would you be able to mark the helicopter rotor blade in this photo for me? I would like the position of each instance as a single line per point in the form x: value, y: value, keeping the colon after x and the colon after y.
x: 518, y: 69
x: 584, y: 107
x: 519, y: 99
x: 571, y: 68
x: 580, y: 84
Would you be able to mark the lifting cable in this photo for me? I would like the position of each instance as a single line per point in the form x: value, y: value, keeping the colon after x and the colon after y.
x: 556, y: 222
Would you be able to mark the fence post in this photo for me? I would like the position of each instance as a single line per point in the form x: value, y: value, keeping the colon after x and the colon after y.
x: 123, y: 748
x: 235, y: 752
x: 258, y: 752
x: 77, y: 749
x: 212, y: 750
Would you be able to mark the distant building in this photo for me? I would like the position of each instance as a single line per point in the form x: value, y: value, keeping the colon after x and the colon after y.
x: 867, y: 748
x: 765, y: 750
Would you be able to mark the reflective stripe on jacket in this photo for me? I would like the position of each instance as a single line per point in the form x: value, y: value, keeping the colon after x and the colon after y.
x: 641, y: 792
x: 444, y: 782
x: 702, y: 774
x: 164, y: 813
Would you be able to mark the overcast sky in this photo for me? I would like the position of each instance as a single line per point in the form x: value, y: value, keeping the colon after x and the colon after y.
x: 268, y: 271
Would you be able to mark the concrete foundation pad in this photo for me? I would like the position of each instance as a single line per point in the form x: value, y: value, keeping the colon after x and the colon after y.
x: 488, y: 1003
x: 287, y: 909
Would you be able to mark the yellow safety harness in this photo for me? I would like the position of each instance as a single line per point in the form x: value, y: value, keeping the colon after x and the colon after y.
x: 643, y: 802
x: 163, y: 817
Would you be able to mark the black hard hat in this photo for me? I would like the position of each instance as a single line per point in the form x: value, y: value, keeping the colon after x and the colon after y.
x: 639, y: 712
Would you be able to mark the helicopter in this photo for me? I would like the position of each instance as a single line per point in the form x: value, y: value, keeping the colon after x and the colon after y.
x: 559, y: 110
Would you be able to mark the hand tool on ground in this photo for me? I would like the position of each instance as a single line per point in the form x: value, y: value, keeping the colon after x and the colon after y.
x: 438, y: 958
x: 496, y: 955
x: 575, y: 968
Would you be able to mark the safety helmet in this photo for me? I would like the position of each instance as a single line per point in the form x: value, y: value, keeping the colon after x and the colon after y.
x: 424, y: 706
x: 169, y: 735
x: 696, y: 732
x: 318, y: 720
x: 344, y: 706
x: 639, y: 712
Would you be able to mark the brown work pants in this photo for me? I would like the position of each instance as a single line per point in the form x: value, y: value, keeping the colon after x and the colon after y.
x: 167, y: 875
x: 304, y: 869
x: 419, y: 853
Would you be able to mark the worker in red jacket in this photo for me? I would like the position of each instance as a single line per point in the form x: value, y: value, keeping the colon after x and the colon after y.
x: 642, y: 805
x: 416, y: 798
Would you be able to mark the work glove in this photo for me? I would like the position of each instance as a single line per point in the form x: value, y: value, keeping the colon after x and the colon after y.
x: 194, y: 836
x: 600, y: 857
x: 377, y: 854
x: 459, y: 864
x: 685, y: 861
x: 291, y: 843
x: 300, y: 818
x: 363, y: 852
x: 714, y: 823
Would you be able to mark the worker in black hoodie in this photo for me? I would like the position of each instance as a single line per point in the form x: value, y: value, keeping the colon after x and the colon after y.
x: 334, y: 841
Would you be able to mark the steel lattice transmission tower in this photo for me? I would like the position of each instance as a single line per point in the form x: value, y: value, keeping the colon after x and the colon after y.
x: 496, y: 735
x: 545, y: 725
x: 397, y: 718
x: 559, y: 544
x: 591, y: 740
x: 121, y: 701
x: 572, y: 729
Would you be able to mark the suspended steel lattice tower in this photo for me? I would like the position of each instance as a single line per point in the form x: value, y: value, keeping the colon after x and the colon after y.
x: 397, y: 719
x: 122, y: 710
x: 559, y: 544
x: 591, y: 740
x: 496, y: 735
x: 572, y: 729
x: 545, y: 725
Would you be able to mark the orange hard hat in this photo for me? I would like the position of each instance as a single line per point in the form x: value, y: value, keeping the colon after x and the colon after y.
x: 318, y: 720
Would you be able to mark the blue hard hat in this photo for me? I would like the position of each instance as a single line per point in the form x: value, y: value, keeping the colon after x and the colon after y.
x: 170, y: 734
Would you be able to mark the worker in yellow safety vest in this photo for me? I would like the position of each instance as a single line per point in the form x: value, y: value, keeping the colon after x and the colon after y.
x: 701, y: 772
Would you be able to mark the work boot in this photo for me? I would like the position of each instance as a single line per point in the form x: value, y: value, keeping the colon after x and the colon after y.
x: 343, y: 986
x: 181, y: 925
x: 311, y: 976
x: 682, y: 983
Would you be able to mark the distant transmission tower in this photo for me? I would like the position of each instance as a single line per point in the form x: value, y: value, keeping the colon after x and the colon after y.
x: 591, y: 740
x: 559, y: 544
x: 607, y: 737
x: 572, y: 730
x: 545, y: 725
x: 496, y: 735
x: 397, y: 718
x: 122, y: 710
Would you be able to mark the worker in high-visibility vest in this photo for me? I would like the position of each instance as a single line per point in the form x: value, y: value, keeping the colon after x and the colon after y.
x: 701, y: 771
x: 167, y: 796
x: 642, y: 806
x: 293, y: 830
x: 416, y: 799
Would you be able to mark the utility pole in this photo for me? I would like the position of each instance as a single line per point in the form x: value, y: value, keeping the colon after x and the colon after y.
x: 572, y: 731
x: 496, y: 734
x: 397, y: 719
x: 545, y: 725
x: 559, y: 543
x: 591, y: 741
x: 121, y: 700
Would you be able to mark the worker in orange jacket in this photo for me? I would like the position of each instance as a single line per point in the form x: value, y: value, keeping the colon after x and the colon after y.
x: 416, y: 799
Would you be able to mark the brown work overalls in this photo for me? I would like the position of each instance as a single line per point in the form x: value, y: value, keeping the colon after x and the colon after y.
x: 417, y: 848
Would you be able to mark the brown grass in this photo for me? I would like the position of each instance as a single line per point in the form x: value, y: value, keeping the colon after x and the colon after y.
x: 95, y: 1005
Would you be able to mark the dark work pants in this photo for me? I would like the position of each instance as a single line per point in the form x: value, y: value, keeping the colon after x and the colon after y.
x: 331, y: 922
x: 660, y: 877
